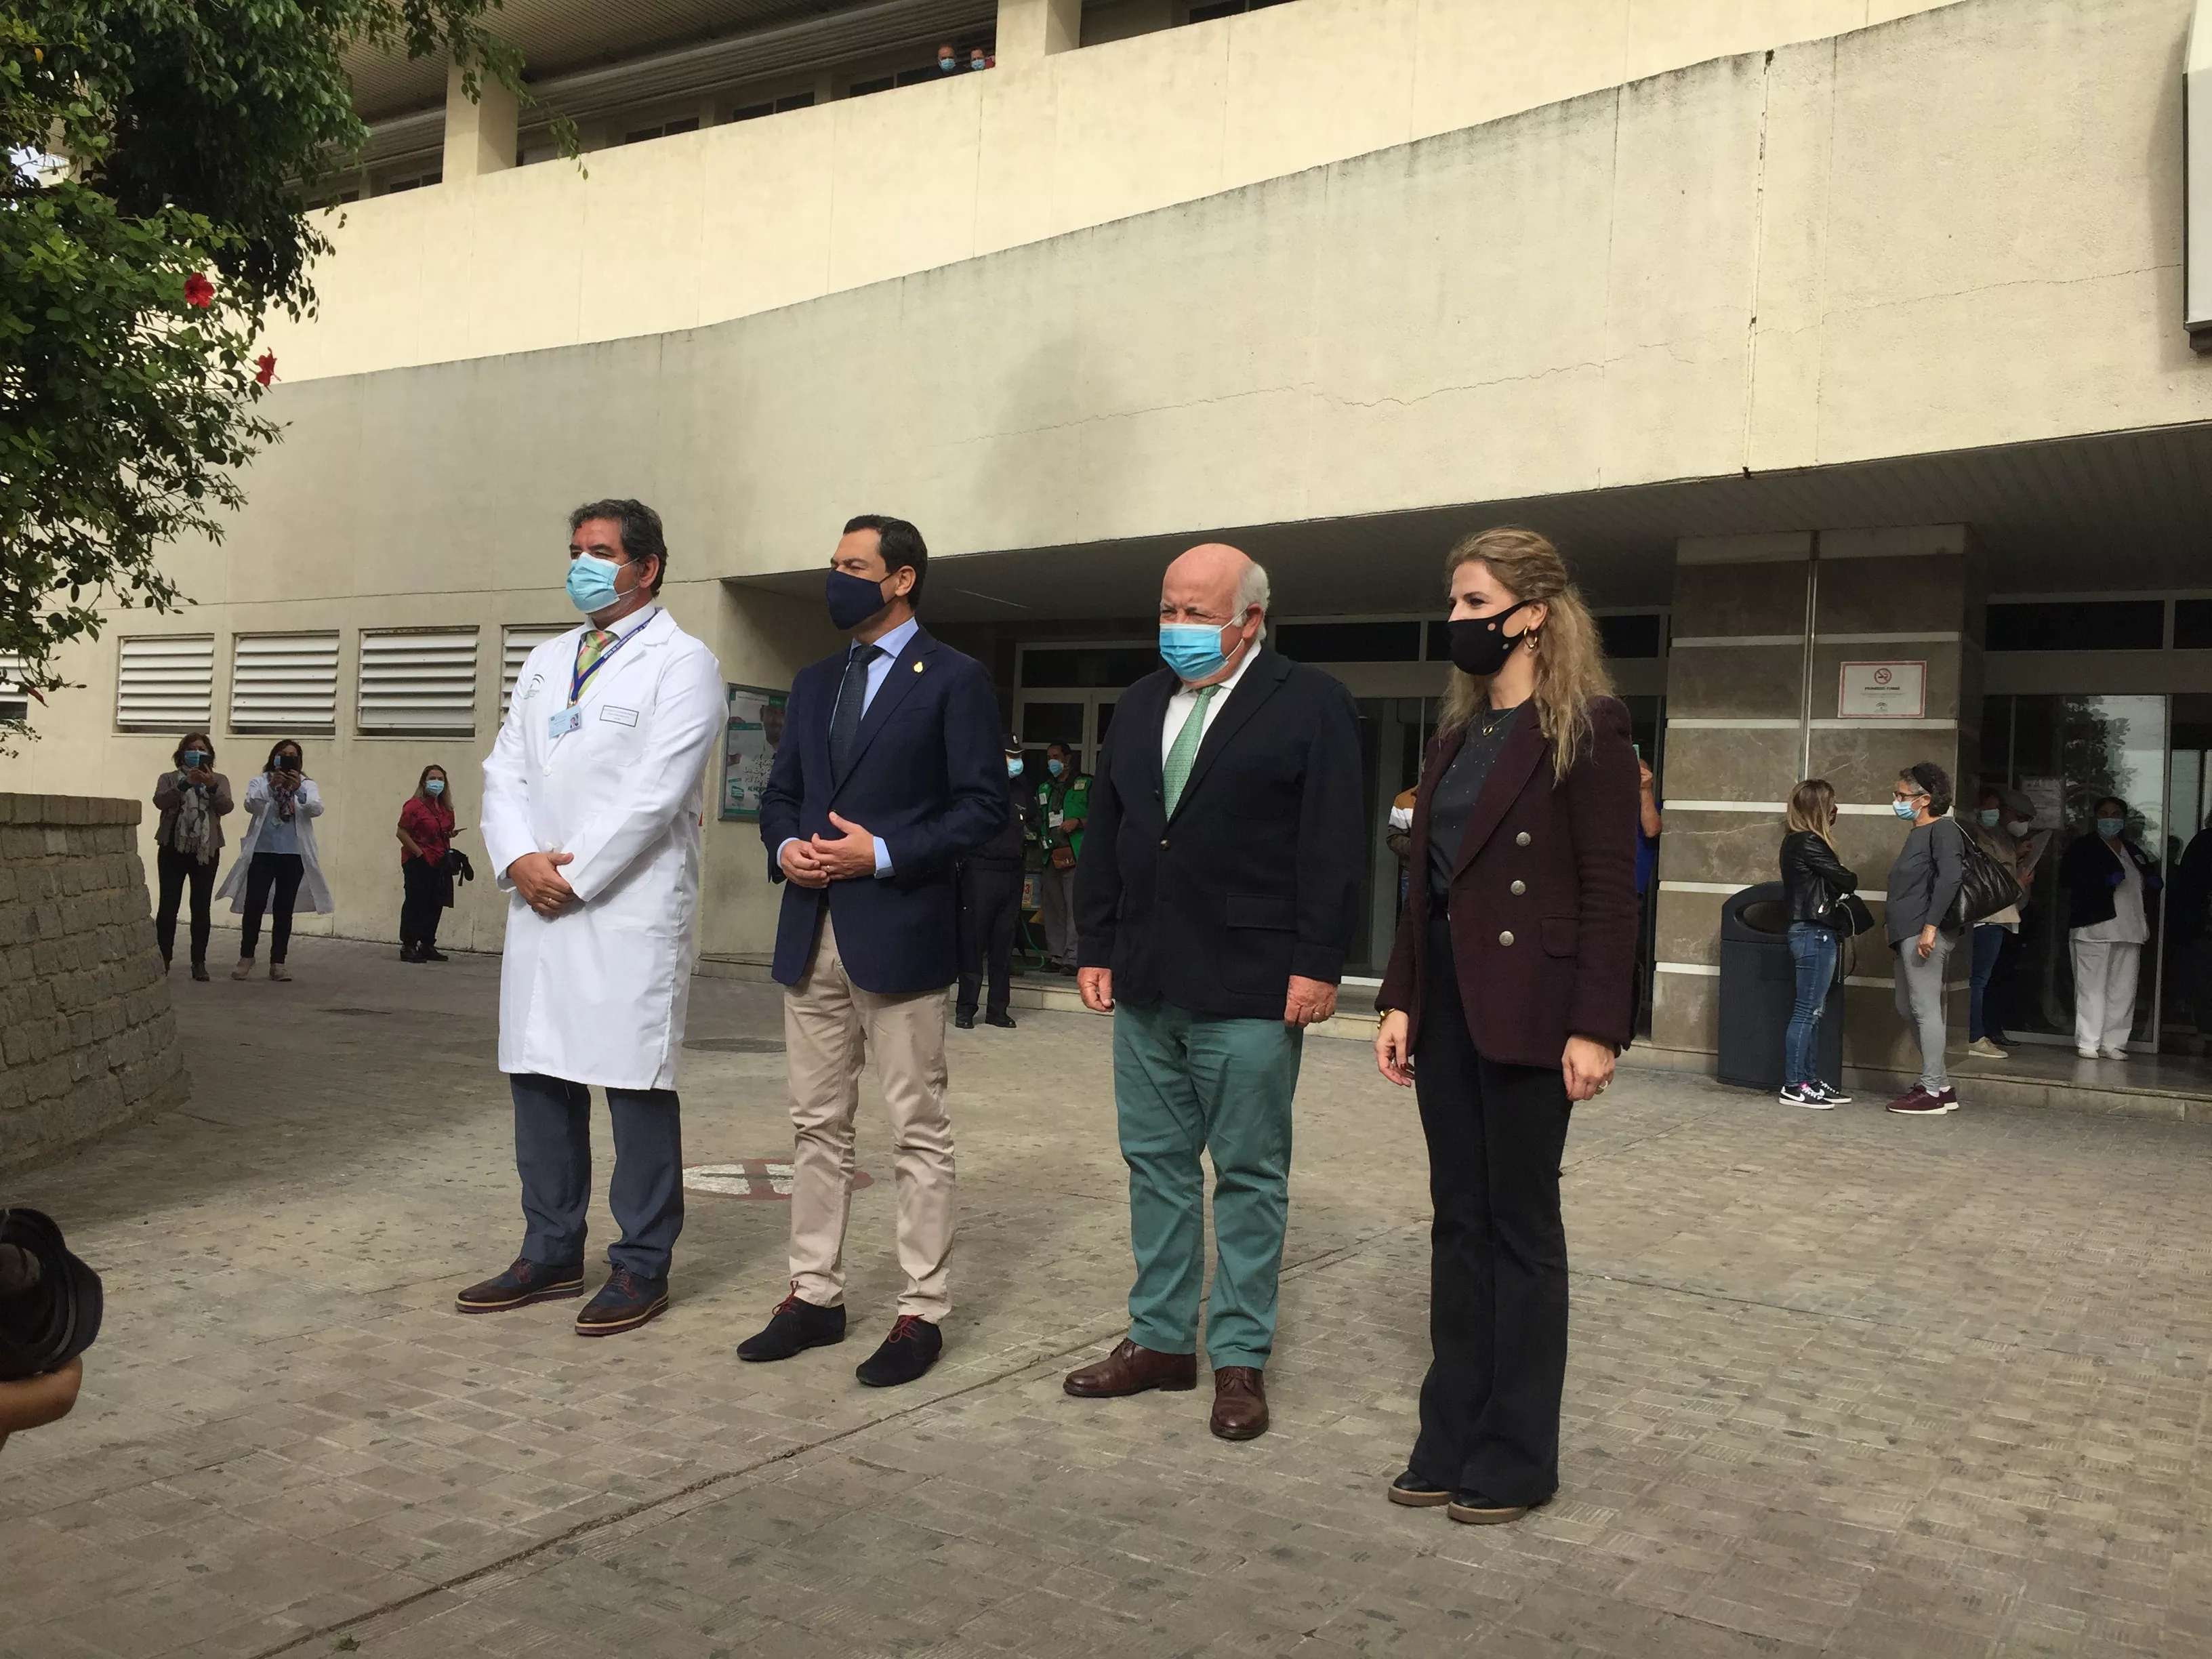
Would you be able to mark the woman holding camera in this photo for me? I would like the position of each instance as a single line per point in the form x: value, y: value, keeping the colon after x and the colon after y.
x: 188, y: 843
x: 426, y: 837
x: 1509, y: 995
x: 277, y: 859
x: 1813, y: 883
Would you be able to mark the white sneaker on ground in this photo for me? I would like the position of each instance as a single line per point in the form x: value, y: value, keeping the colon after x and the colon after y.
x: 1803, y: 1093
x: 2086, y: 1054
x: 2113, y: 1054
x: 1986, y: 1049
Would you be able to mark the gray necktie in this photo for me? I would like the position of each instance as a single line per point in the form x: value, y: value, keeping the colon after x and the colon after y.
x: 852, y: 702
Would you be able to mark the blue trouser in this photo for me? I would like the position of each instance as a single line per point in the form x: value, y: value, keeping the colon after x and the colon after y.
x: 1814, y: 949
x: 1988, y: 942
x: 553, y: 1155
x: 1186, y: 1083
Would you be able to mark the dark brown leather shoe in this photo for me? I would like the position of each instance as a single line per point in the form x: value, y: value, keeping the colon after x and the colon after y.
x: 1240, y: 1403
x: 1132, y: 1370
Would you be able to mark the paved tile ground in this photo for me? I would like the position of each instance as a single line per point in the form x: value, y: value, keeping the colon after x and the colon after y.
x: 1841, y: 1384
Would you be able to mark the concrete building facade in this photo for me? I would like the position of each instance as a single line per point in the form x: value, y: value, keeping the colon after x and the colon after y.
x: 1840, y: 345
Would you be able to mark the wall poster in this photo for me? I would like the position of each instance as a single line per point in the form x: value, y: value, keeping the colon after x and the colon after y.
x: 1883, y: 691
x: 750, y: 739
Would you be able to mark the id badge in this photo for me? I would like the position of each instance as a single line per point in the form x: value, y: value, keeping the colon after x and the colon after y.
x: 564, y: 721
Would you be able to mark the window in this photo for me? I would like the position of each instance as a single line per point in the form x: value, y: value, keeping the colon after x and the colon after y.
x: 2192, y: 625
x: 2078, y: 625
x: 413, y: 182
x: 862, y: 88
x: 1112, y: 665
x: 1632, y: 637
x: 14, y: 705
x: 1348, y: 641
x: 422, y: 682
x: 284, y: 683
x: 1204, y: 11
x: 519, y: 643
x: 165, y: 683
x: 666, y: 129
x: 789, y: 101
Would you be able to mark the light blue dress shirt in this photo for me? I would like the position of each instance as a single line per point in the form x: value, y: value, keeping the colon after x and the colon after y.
x: 890, y: 644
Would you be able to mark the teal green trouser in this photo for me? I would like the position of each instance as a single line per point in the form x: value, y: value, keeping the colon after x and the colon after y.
x: 1185, y: 1083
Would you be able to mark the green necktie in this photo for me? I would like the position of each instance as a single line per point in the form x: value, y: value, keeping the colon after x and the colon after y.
x: 592, y: 647
x: 1184, y: 754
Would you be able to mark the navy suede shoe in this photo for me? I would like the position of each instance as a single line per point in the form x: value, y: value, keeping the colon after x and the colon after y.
x: 625, y: 1301
x: 911, y: 1349
x: 794, y: 1327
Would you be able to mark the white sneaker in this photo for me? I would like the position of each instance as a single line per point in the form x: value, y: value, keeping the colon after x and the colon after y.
x: 1986, y: 1049
x: 2114, y: 1054
x: 1799, y: 1094
x: 2086, y: 1054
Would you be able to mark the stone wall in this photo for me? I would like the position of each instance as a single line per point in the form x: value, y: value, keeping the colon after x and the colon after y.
x: 87, y: 1042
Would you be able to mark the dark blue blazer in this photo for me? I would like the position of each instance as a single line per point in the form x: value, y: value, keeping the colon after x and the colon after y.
x: 927, y: 777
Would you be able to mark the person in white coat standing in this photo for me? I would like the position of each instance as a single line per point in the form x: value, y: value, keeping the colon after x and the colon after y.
x: 278, y: 862
x: 591, y: 802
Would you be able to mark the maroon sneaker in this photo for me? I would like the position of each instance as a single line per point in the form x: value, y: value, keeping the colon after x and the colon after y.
x: 1919, y: 1103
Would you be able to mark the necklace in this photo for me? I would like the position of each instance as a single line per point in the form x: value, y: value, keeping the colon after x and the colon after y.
x: 1497, y: 718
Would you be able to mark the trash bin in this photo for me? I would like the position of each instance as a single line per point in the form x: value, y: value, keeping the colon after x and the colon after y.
x: 1759, y: 989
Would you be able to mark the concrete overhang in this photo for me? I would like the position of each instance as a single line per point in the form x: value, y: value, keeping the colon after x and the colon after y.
x: 2116, y: 512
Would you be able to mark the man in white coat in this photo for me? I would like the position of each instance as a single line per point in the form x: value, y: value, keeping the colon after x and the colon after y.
x: 591, y: 821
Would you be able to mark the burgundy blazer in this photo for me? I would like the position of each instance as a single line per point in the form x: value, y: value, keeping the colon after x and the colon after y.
x: 1542, y: 899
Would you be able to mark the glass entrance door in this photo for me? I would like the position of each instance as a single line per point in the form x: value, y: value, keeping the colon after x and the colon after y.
x: 2063, y: 752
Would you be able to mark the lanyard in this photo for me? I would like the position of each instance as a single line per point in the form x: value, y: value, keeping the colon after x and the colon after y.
x: 577, y: 681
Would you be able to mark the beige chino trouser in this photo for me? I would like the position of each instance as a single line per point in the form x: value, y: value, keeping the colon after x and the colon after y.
x: 829, y: 1025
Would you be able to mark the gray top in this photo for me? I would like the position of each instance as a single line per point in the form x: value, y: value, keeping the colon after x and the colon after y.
x: 1925, y: 878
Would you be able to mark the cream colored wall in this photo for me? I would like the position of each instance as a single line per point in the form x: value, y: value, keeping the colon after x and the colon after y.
x: 730, y: 220
x: 1960, y: 230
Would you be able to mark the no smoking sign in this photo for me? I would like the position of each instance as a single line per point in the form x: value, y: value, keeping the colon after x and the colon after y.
x: 752, y: 1177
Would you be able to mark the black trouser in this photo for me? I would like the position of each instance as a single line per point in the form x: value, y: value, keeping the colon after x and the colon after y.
x: 272, y: 876
x: 424, y: 903
x: 1497, y: 1297
x: 553, y: 1155
x: 175, y: 870
x: 990, y: 905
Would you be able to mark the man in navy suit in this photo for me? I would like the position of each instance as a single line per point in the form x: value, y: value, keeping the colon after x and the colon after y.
x: 889, y: 769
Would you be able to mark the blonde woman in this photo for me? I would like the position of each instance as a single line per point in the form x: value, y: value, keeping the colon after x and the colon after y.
x: 1509, y: 994
x: 1814, y: 881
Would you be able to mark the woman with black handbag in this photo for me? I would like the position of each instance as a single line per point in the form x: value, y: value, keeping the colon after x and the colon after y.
x: 426, y: 839
x: 2108, y: 879
x: 1814, y: 884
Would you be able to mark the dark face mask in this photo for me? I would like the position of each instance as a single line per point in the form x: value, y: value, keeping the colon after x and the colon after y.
x: 1480, y: 645
x: 853, y: 599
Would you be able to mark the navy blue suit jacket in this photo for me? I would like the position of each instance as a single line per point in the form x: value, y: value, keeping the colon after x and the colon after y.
x: 927, y: 777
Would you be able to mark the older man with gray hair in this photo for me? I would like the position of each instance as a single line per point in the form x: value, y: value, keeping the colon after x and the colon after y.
x: 1216, y: 896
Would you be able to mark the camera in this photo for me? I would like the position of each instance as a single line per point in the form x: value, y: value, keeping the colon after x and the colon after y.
x: 50, y: 1301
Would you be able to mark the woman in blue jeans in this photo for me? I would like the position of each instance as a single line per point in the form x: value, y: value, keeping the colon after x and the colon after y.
x: 1813, y: 883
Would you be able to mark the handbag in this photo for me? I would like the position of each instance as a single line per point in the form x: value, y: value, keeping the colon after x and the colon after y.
x: 1851, y: 916
x: 1985, y: 886
x: 1063, y: 858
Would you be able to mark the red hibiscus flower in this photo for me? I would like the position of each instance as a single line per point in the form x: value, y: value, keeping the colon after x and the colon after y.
x: 199, y: 291
x: 265, y: 369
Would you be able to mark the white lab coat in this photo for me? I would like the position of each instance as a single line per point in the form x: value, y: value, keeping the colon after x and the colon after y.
x: 598, y: 993
x: 306, y: 808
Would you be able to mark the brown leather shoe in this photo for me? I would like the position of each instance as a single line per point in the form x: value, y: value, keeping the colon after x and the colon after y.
x: 1132, y: 1370
x: 1240, y: 1403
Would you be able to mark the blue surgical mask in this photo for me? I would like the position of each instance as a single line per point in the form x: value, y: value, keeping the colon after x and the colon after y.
x: 2110, y: 829
x: 592, y: 582
x: 1192, y: 649
x: 434, y: 787
x: 948, y: 64
x: 194, y: 758
x: 1056, y: 767
x: 977, y: 62
x: 1014, y: 766
x: 1989, y: 816
x: 1905, y: 809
